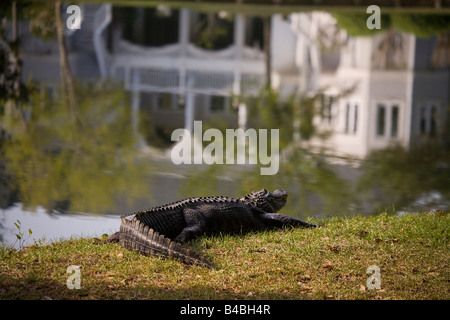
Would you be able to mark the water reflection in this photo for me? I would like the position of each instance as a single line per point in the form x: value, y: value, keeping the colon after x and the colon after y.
x: 62, y: 165
x: 363, y: 119
x: 407, y: 180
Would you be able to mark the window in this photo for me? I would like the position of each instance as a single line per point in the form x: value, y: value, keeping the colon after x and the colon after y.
x: 181, y: 101
x: 327, y: 107
x: 212, y: 31
x: 381, y: 119
x: 351, y: 118
x: 329, y: 111
x: 347, y: 116
x: 218, y: 103
x: 387, y: 120
x: 394, y: 122
x: 254, y: 32
x: 423, y: 120
x: 151, y: 27
x: 164, y: 101
x: 429, y: 119
x: 355, y: 122
x: 433, y: 122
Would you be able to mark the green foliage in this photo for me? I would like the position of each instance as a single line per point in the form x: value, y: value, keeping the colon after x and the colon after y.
x: 41, y: 15
x: 60, y: 164
x: 21, y: 235
x: 11, y: 86
x: 421, y: 25
x: 402, y: 176
x: 205, y: 182
x: 307, y: 176
x: 153, y: 134
x: 268, y: 111
x: 212, y: 32
x: 314, y: 186
x: 355, y: 23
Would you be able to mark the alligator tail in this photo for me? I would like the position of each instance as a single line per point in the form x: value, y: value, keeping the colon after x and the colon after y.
x: 135, y: 235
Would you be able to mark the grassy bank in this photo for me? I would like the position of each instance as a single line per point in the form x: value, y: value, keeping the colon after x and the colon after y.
x: 411, y: 251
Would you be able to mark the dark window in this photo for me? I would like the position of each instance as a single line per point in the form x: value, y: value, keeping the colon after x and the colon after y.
x: 217, y: 103
x: 381, y: 120
x: 181, y: 101
x: 433, y: 122
x: 254, y: 32
x: 164, y: 101
x: 161, y: 26
x: 212, y: 32
x: 326, y: 106
x: 423, y: 120
x: 347, y: 117
x: 394, y: 121
x: 148, y: 26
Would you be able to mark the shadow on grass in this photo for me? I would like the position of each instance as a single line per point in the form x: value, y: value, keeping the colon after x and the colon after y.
x: 31, y: 287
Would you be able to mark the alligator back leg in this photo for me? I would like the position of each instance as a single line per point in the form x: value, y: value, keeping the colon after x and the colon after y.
x: 135, y: 235
x: 278, y: 220
x: 195, y: 225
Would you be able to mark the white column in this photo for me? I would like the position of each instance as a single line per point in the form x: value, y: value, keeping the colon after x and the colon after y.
x: 242, y: 116
x: 185, y: 82
x: 239, y: 32
x: 136, y: 101
x: 238, y: 47
x: 183, y: 42
x: 183, y: 27
x: 407, y: 114
x: 314, y: 53
x: 189, y: 106
x: 299, y: 24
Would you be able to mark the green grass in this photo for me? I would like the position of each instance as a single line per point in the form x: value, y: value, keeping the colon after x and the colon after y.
x: 411, y: 251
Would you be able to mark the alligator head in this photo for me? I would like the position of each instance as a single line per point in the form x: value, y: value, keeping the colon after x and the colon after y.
x: 267, y: 201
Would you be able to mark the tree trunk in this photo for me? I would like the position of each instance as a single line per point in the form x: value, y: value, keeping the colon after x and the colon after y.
x: 66, y: 75
x: 17, y: 63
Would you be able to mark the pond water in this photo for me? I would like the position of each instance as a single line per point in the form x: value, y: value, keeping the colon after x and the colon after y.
x: 73, y: 158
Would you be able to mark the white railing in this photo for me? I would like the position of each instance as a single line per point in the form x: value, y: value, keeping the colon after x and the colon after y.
x: 156, y: 78
x: 177, y: 69
x: 140, y: 79
x: 103, y: 17
x: 213, y: 81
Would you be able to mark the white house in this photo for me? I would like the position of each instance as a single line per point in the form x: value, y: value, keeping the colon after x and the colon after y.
x: 400, y: 96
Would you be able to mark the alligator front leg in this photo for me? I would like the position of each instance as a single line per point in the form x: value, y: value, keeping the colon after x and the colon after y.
x: 195, y: 225
x: 277, y: 220
x: 115, y: 237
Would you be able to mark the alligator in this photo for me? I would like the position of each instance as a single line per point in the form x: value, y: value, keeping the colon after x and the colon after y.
x: 162, y: 230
